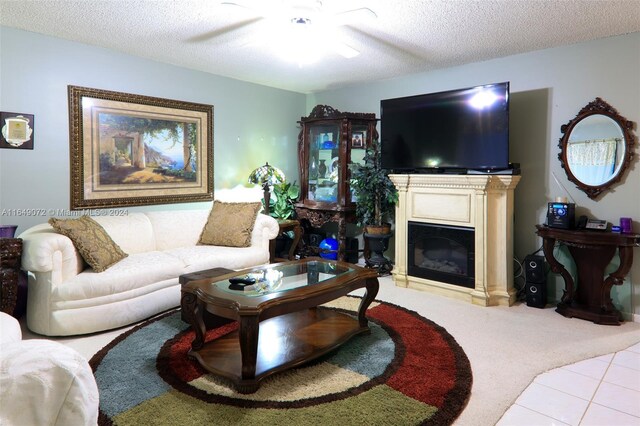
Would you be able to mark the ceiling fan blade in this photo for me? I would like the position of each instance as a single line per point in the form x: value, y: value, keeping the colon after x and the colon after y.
x: 231, y: 3
x: 261, y: 9
x: 224, y: 30
x: 353, y: 16
x: 404, y: 53
x: 345, y: 50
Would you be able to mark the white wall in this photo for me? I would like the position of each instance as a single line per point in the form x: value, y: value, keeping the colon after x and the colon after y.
x: 548, y: 89
x: 252, y: 123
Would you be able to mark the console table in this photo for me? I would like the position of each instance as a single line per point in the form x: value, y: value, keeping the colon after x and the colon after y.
x: 592, y: 252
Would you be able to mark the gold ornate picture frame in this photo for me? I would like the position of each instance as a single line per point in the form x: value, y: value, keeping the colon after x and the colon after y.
x: 131, y: 150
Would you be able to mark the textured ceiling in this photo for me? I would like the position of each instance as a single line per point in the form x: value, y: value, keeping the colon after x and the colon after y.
x: 407, y: 36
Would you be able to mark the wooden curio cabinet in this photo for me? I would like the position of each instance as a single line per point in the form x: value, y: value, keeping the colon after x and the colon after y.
x: 328, y: 141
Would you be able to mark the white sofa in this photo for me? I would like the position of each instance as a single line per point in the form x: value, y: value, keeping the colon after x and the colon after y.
x: 43, y: 382
x: 65, y: 297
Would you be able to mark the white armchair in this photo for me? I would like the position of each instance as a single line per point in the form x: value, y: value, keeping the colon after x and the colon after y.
x: 43, y: 382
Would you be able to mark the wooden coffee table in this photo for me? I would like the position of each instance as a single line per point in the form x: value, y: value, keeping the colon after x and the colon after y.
x: 279, y: 328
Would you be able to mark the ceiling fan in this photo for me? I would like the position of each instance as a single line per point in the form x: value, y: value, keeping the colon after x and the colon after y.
x: 301, y: 30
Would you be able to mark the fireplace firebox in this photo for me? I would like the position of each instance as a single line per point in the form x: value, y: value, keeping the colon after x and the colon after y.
x: 442, y: 253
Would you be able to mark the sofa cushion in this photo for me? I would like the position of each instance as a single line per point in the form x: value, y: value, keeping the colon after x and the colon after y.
x: 167, y: 235
x: 94, y: 244
x: 198, y: 258
x: 132, y: 231
x: 230, y: 224
x: 136, y: 271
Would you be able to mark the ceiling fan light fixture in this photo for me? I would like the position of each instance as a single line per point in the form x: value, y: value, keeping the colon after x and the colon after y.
x: 299, y: 42
x: 300, y: 31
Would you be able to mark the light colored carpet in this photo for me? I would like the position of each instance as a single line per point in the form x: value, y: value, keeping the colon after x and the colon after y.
x: 507, y: 347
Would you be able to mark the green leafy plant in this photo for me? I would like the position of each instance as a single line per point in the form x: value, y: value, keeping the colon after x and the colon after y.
x: 376, y: 196
x: 286, y: 195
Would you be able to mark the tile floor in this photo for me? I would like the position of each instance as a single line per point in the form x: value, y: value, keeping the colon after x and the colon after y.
x: 602, y: 391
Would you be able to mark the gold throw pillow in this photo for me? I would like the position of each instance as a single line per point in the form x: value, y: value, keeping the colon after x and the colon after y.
x: 230, y: 224
x: 94, y: 244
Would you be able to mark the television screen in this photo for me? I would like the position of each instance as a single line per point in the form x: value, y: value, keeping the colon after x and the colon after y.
x: 465, y: 129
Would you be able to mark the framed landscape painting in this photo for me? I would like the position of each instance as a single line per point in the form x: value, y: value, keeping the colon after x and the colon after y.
x: 129, y: 150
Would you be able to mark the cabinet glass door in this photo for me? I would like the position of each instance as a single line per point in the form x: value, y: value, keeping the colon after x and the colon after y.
x: 324, y: 141
x: 358, y: 145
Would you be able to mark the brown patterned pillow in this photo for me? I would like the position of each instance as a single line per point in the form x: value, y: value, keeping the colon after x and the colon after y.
x: 94, y: 244
x: 230, y: 224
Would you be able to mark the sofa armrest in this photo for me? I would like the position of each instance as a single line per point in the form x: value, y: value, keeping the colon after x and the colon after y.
x: 265, y: 228
x: 44, y: 250
x: 9, y: 329
x: 43, y: 382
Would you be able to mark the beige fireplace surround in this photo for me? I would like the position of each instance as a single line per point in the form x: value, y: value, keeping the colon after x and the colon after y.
x: 483, y: 203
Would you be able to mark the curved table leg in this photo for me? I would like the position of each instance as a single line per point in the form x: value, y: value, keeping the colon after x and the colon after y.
x: 372, y: 287
x: 569, y: 292
x: 193, y: 309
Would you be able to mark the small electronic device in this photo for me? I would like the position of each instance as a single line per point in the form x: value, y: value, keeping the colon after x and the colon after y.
x: 561, y: 215
x: 592, y: 224
x: 242, y: 280
x: 239, y: 283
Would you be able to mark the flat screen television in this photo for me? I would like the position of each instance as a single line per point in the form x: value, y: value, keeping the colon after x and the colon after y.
x: 447, y: 132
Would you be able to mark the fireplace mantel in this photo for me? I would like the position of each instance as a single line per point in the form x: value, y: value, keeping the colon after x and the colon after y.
x: 482, y: 202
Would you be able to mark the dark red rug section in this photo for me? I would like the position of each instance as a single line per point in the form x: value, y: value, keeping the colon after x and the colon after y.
x: 434, y: 368
x: 178, y: 361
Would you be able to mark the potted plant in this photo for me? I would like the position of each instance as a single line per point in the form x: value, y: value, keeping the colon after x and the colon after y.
x: 283, y: 207
x: 376, y: 198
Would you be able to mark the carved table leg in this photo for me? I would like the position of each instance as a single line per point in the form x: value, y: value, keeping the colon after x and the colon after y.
x: 297, y: 234
x: 569, y: 292
x: 342, y: 238
x: 372, y: 286
x: 248, y: 335
x: 192, y: 309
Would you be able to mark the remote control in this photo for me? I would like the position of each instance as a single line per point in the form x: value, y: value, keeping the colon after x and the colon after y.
x: 242, y: 280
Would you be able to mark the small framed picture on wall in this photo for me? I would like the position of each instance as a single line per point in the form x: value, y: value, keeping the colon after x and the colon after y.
x: 17, y: 130
x: 357, y: 140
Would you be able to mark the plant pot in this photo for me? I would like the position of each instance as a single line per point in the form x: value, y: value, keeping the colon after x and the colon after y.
x: 383, y: 229
x: 378, y: 243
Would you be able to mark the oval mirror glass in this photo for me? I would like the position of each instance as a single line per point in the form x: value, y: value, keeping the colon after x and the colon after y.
x: 596, y: 147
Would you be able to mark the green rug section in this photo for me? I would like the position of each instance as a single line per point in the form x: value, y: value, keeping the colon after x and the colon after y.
x: 373, y: 407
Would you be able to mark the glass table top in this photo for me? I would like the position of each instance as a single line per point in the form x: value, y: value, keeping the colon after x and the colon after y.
x: 282, y: 278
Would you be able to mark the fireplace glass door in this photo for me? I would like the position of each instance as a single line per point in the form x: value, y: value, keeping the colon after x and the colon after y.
x: 442, y: 253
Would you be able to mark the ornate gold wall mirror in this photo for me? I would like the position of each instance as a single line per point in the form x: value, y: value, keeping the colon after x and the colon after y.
x: 596, y: 147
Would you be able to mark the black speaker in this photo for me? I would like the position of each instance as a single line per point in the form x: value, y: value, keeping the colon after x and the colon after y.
x: 351, y: 250
x: 535, y: 281
x: 534, y: 269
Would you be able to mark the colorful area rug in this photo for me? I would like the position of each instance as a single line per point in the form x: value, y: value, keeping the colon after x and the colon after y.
x: 408, y: 371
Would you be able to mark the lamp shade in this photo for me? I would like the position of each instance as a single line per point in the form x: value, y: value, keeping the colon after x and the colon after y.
x: 266, y: 174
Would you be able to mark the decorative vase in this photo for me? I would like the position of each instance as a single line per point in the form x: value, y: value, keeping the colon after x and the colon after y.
x: 313, y: 169
x: 329, y: 248
x: 322, y: 169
